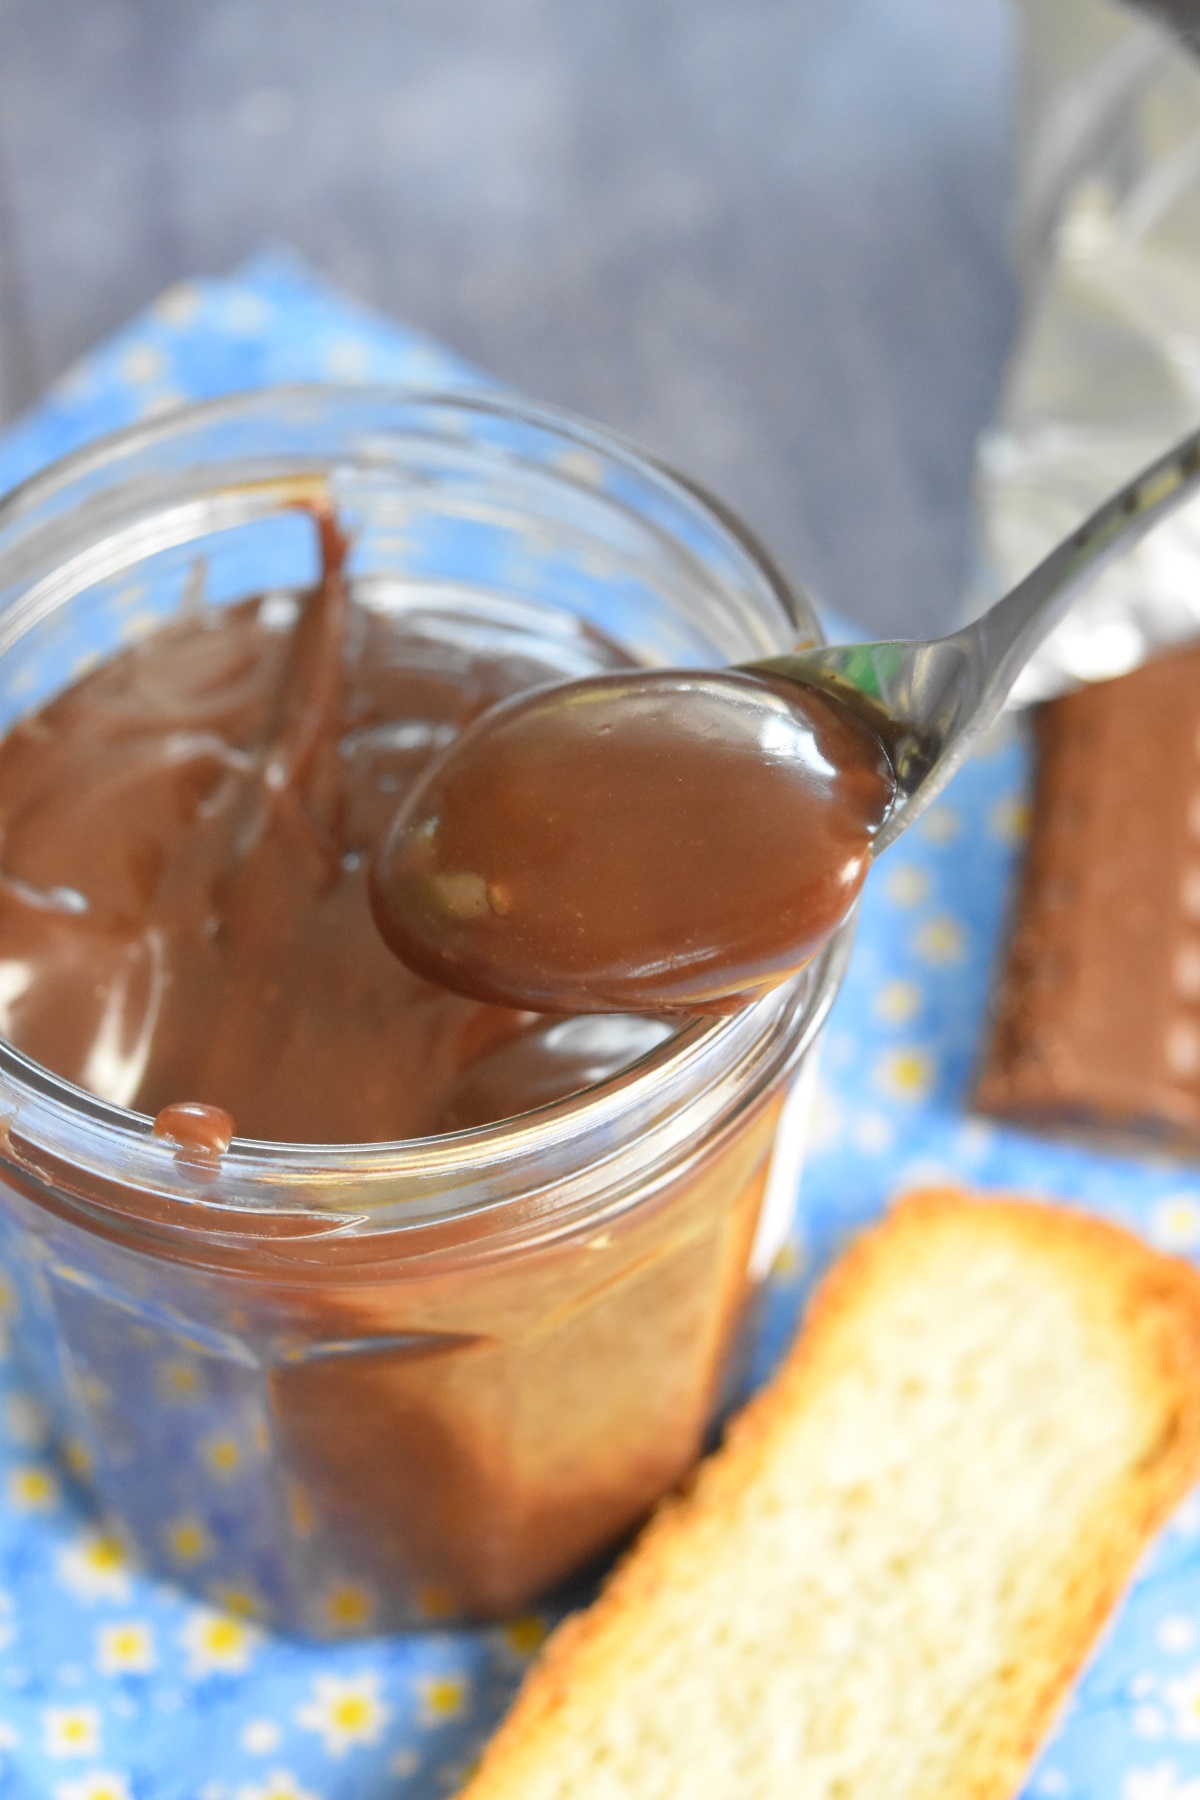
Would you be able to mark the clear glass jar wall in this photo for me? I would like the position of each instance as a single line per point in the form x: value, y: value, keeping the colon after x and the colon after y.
x: 352, y: 1387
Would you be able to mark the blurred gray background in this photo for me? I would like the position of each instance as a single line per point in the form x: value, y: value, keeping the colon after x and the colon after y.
x: 765, y: 237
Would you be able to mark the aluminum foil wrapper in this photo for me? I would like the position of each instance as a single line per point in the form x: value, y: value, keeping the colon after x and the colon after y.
x: 1106, y: 373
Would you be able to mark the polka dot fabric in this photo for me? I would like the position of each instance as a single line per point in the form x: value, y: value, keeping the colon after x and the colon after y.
x: 274, y: 324
x: 117, y: 1687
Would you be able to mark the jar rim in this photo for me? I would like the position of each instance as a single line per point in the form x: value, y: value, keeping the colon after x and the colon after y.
x: 39, y: 1107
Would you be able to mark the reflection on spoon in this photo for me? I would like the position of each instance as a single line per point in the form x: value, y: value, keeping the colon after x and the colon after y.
x: 635, y: 842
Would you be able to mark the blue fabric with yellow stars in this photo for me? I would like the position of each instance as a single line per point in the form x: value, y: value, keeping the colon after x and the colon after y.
x: 117, y: 1687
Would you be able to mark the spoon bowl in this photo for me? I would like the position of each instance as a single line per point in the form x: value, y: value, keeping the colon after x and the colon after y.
x: 636, y: 842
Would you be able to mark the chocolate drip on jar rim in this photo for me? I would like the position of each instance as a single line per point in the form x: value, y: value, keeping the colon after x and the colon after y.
x: 196, y: 1128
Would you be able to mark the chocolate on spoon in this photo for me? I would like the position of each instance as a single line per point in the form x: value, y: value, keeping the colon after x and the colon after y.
x: 635, y: 842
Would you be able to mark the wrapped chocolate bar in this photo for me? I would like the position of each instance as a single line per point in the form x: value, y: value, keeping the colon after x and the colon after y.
x: 1097, y: 1019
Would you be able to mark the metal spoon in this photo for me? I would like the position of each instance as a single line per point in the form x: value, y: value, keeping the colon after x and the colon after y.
x: 684, y: 838
x: 932, y: 702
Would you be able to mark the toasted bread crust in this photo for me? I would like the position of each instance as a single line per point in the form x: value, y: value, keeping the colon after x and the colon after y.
x: 1150, y: 1302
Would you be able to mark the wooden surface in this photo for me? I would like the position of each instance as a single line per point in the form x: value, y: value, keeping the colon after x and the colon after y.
x: 766, y: 237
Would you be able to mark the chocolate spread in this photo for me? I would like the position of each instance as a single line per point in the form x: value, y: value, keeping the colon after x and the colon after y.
x: 635, y: 841
x: 184, y: 839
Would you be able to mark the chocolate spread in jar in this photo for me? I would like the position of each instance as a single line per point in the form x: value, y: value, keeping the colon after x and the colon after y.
x: 184, y: 839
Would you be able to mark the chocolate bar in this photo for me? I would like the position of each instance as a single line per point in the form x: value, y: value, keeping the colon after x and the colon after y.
x: 1097, y: 1016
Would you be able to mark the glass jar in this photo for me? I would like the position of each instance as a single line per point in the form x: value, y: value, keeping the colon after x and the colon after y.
x: 353, y: 1387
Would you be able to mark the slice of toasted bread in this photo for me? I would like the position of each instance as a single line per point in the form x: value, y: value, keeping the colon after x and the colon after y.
x: 882, y: 1586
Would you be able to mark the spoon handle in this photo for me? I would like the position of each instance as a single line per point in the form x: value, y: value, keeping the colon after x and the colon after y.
x: 1010, y: 631
x: 932, y: 702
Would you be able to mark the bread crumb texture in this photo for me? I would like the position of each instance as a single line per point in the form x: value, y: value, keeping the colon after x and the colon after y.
x: 884, y: 1582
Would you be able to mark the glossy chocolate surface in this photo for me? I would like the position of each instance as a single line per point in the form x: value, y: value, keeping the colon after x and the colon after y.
x: 184, y: 836
x: 634, y: 842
